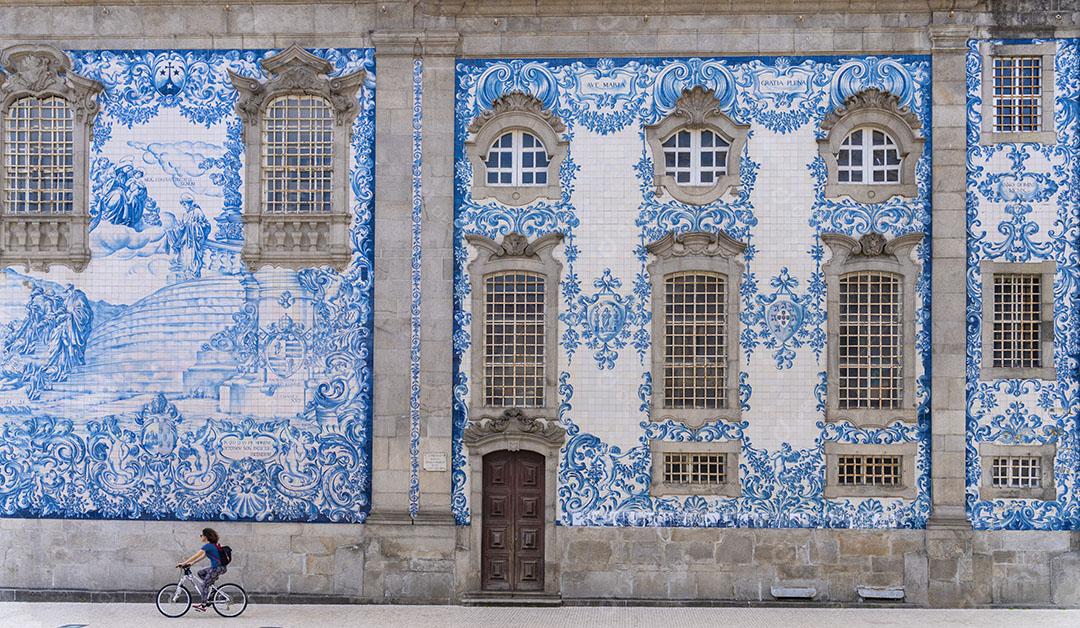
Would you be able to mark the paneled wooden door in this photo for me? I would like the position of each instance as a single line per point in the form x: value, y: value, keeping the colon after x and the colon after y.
x: 512, y: 557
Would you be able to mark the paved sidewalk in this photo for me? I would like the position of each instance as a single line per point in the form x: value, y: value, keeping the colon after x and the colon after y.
x: 56, y: 615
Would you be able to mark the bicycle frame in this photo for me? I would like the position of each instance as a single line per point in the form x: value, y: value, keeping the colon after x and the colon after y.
x: 210, y: 596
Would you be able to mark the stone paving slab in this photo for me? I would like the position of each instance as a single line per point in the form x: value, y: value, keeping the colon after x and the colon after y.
x: 62, y: 615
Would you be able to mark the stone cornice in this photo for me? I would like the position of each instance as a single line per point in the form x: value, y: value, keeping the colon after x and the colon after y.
x: 416, y: 43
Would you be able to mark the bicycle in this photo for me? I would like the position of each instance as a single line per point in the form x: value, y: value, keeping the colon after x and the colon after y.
x: 173, y: 600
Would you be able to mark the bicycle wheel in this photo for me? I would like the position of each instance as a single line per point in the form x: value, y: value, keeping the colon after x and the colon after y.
x: 229, y: 600
x: 173, y: 600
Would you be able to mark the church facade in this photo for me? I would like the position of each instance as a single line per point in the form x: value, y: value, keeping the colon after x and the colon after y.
x: 472, y: 302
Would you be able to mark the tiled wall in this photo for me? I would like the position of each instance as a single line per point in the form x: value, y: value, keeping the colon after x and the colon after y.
x: 166, y: 381
x: 609, y: 210
x: 1024, y: 206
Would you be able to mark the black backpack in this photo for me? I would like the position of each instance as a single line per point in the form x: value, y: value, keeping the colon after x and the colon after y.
x: 224, y: 555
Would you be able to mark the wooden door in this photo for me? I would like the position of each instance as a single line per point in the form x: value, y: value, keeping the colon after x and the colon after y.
x: 512, y: 556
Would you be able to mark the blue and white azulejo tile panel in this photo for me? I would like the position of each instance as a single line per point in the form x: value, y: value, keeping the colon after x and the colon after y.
x: 1023, y: 205
x: 166, y: 381
x: 608, y: 211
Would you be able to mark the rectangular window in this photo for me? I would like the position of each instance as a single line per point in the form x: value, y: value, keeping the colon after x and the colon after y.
x: 298, y: 164
x: 39, y: 154
x: 869, y: 470
x: 1016, y: 472
x: 870, y: 341
x: 703, y: 469
x: 514, y: 340
x: 1017, y: 320
x: 1017, y: 84
x: 695, y: 340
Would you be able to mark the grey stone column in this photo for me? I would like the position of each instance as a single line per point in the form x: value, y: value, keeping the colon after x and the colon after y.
x: 390, y: 461
x: 438, y: 50
x: 954, y: 575
x: 949, y: 282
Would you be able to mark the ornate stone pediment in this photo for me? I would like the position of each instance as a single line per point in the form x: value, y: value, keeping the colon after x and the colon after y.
x: 872, y: 99
x: 514, y: 245
x: 697, y: 105
x: 514, y: 423
x: 872, y: 244
x: 517, y: 102
x: 295, y: 70
x: 696, y: 243
x: 40, y: 70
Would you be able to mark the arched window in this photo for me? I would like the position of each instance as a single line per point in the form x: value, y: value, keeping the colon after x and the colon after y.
x: 696, y: 156
x: 516, y: 148
x: 297, y: 199
x: 517, y: 158
x: 39, y: 148
x: 868, y: 156
x: 46, y: 115
x: 696, y: 149
x: 298, y: 155
x: 870, y: 147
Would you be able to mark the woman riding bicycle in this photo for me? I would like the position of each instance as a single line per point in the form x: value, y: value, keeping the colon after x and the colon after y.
x: 209, y: 575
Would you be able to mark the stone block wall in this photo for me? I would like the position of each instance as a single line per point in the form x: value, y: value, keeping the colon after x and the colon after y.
x: 343, y: 562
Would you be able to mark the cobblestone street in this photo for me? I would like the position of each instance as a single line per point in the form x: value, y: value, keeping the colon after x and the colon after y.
x: 49, y: 615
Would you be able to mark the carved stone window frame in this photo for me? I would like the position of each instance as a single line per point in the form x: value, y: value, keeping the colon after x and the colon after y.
x: 41, y: 71
x: 1047, y: 51
x: 908, y: 488
x: 704, y: 252
x: 1046, y: 454
x: 513, y: 430
x: 297, y: 240
x: 730, y: 449
x: 871, y: 252
x: 1048, y: 271
x: 516, y: 111
x: 696, y: 109
x: 876, y: 110
x: 515, y: 253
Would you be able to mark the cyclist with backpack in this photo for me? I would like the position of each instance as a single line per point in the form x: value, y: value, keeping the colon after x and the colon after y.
x: 219, y: 557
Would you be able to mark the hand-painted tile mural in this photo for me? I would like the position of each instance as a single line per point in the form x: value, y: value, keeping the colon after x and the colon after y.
x: 166, y: 381
x: 1023, y: 205
x: 610, y: 209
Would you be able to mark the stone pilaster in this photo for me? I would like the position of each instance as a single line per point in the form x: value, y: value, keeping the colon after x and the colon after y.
x: 438, y: 51
x: 390, y: 460
x: 949, y: 538
x: 949, y: 284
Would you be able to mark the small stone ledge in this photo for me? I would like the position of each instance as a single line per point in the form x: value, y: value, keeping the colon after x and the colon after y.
x: 879, y: 593
x: 782, y: 592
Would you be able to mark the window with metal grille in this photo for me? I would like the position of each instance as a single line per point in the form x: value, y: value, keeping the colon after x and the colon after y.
x: 869, y: 470
x: 706, y: 469
x: 870, y: 341
x: 695, y: 340
x: 1017, y: 94
x: 298, y: 154
x: 695, y: 157
x: 514, y: 339
x: 868, y: 156
x: 517, y: 158
x: 1017, y: 320
x: 39, y: 152
x: 1016, y: 472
